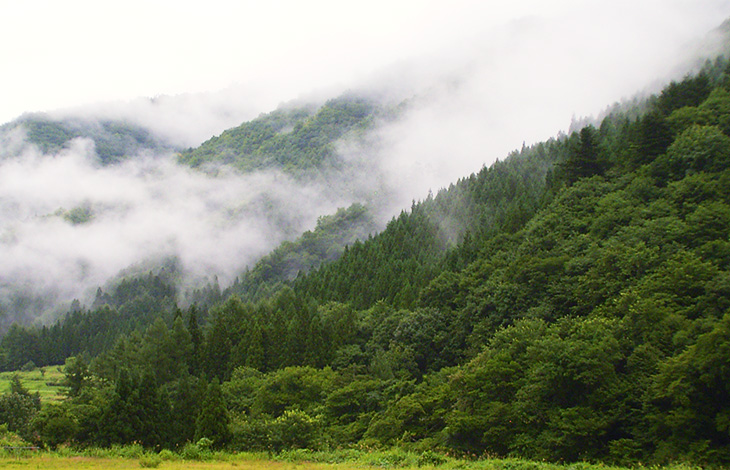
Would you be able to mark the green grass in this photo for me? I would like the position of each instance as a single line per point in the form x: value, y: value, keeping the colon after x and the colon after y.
x: 135, y: 457
x: 47, y: 384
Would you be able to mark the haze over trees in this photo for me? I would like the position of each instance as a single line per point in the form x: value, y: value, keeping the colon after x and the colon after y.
x: 569, y: 302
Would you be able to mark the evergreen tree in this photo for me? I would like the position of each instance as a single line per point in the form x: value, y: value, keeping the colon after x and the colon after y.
x: 196, y: 339
x: 584, y: 160
x: 213, y: 420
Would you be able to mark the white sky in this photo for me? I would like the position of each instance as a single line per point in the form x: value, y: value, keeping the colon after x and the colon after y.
x: 56, y: 54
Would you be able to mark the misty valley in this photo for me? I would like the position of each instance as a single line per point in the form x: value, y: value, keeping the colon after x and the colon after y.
x: 287, y: 287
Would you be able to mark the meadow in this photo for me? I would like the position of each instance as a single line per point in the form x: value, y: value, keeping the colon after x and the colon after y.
x: 134, y: 457
x: 46, y: 381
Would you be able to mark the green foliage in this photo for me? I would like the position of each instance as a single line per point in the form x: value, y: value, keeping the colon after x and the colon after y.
x: 584, y: 159
x: 77, y: 375
x: 689, y: 92
x: 322, y: 245
x: 149, y: 460
x: 133, y: 303
x: 569, y: 304
x: 212, y: 422
x: 17, y: 411
x: 295, y: 429
x: 697, y: 148
x: 55, y: 425
x: 196, y: 452
x: 77, y: 216
x: 292, y: 139
x: 430, y: 458
x: 114, y: 141
x: 10, y: 439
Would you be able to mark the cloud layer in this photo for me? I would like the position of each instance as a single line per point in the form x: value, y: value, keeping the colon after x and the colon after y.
x: 146, y: 209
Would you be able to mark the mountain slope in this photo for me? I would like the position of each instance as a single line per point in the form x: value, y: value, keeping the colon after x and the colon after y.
x: 294, y: 139
x: 569, y: 303
x: 114, y: 141
x: 291, y: 154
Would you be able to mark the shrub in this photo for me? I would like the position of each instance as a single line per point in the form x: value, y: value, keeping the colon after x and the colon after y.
x: 430, y: 458
x: 166, y: 455
x: 133, y: 451
x: 391, y: 459
x: 196, y: 452
x: 295, y: 429
x: 150, y: 461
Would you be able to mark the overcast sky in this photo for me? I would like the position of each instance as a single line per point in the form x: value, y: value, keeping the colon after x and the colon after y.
x: 57, y: 54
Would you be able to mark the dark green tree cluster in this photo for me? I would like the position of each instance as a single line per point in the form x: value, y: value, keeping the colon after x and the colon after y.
x: 134, y: 408
x: 322, y: 245
x: 133, y: 304
x: 18, y: 408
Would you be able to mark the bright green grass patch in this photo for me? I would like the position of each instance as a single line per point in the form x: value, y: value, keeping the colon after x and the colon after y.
x: 46, y: 381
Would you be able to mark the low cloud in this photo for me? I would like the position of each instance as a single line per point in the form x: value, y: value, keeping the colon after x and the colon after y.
x: 527, y: 80
x: 148, y: 208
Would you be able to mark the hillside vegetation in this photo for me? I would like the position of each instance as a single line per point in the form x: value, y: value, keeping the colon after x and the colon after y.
x: 114, y: 141
x: 294, y: 139
x: 569, y: 303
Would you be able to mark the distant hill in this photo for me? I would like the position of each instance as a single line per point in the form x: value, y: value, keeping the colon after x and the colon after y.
x: 297, y: 146
x: 293, y: 138
x: 114, y: 141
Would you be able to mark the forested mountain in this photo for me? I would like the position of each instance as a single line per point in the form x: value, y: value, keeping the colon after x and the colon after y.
x: 114, y: 141
x: 293, y: 138
x: 333, y: 234
x: 247, y: 178
x: 568, y: 303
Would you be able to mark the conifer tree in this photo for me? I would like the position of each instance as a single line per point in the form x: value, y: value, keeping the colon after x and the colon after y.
x: 196, y: 338
x: 212, y: 422
x: 584, y: 160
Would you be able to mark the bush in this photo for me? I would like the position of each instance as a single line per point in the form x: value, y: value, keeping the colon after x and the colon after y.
x: 391, y: 459
x: 295, y: 429
x: 430, y: 458
x: 54, y: 425
x: 196, y: 452
x: 250, y: 435
x: 167, y: 455
x: 133, y: 451
x: 9, y: 438
x: 150, y: 461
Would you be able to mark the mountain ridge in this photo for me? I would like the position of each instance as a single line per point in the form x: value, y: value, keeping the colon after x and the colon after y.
x: 567, y: 303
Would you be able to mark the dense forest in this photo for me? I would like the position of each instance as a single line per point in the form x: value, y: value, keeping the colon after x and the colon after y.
x: 571, y: 302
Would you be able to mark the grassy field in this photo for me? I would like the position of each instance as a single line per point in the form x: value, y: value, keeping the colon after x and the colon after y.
x: 110, y: 459
x: 96, y: 463
x: 50, y: 462
x: 46, y: 381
